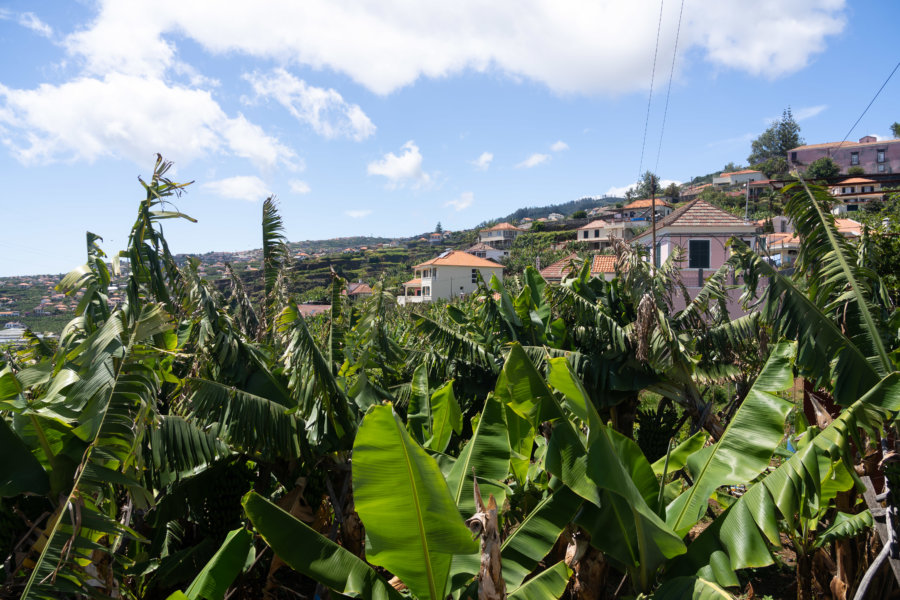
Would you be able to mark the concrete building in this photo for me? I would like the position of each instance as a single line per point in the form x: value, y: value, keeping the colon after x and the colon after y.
x: 449, y: 275
x: 484, y: 251
x: 500, y: 237
x: 874, y: 156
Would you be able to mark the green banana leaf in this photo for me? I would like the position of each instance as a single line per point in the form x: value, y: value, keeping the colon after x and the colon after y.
x: 844, y: 526
x: 20, y: 471
x: 739, y: 538
x: 487, y: 454
x: 680, y: 453
x: 412, y: 522
x: 309, y: 552
x: 418, y: 414
x: 690, y: 587
x: 622, y: 524
x: 747, y: 445
x: 446, y: 417
x: 223, y: 568
x: 549, y: 585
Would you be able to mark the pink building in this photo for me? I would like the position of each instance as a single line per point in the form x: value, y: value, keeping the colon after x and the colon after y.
x: 703, y: 231
x: 872, y: 155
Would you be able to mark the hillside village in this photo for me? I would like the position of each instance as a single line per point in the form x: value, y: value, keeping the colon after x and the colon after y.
x: 699, y: 217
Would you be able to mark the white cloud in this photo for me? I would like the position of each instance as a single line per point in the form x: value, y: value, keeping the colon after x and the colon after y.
x: 399, y: 170
x: 240, y: 187
x: 299, y: 187
x: 123, y: 116
x: 559, y: 146
x: 619, y: 192
x: 325, y: 111
x: 533, y: 161
x: 32, y: 22
x: 464, y: 201
x: 800, y: 114
x: 564, y: 44
x: 358, y: 214
x: 484, y: 161
x: 808, y: 112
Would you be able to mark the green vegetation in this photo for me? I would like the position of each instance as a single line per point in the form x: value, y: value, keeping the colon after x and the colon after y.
x: 769, y: 151
x: 196, y: 442
x: 823, y: 168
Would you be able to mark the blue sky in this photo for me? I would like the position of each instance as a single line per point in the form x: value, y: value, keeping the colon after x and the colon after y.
x: 383, y: 118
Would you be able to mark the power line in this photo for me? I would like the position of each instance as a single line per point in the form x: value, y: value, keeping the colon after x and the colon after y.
x: 662, y: 129
x: 869, y: 105
x: 650, y: 97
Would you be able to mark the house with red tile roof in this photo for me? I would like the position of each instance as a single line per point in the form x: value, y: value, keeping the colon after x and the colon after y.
x: 852, y: 194
x: 500, y: 237
x: 602, y: 265
x: 482, y: 250
x: 703, y: 231
x: 449, y: 275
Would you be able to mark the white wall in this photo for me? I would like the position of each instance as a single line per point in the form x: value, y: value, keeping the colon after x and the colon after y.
x: 450, y: 279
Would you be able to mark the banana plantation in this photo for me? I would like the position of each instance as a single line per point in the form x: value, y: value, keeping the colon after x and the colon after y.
x: 531, y: 441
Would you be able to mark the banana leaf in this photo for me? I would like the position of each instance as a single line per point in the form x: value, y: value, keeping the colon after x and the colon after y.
x: 412, y: 522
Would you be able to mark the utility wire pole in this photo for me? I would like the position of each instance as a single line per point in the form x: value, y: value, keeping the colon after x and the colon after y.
x: 653, y: 252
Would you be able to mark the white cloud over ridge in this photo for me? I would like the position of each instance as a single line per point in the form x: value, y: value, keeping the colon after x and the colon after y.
x: 358, y: 213
x: 463, y: 202
x: 568, y: 45
x: 533, y: 161
x: 240, y: 187
x: 323, y: 110
x: 122, y: 116
x: 402, y: 169
x: 483, y: 162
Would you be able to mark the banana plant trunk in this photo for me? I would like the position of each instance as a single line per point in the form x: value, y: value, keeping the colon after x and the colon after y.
x: 484, y: 523
x: 804, y: 576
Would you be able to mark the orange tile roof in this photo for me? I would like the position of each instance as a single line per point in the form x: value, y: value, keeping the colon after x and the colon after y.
x: 646, y: 203
x: 850, y: 226
x: 480, y: 247
x: 456, y: 258
x: 855, y: 180
x: 603, y: 263
x: 600, y: 265
x: 417, y: 282
x: 698, y: 213
x: 743, y: 172
x: 502, y: 226
x: 309, y: 310
x: 597, y: 224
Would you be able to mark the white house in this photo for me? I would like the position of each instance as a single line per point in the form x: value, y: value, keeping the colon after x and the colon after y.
x: 738, y: 177
x: 484, y: 251
x: 501, y: 236
x: 853, y: 193
x: 449, y: 275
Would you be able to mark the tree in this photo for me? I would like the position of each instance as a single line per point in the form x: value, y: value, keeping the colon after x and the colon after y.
x: 648, y: 184
x: 731, y: 167
x: 769, y: 151
x: 856, y: 171
x: 671, y: 192
x: 895, y: 130
x: 438, y: 228
x: 823, y: 168
x: 579, y: 214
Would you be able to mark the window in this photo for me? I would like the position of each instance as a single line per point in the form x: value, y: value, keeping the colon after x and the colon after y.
x: 698, y: 254
x: 880, y: 156
x: 854, y: 158
x: 881, y: 168
x: 793, y: 157
x: 868, y: 189
x: 847, y: 190
x: 596, y: 233
x: 852, y: 208
x: 474, y: 275
x: 426, y: 291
